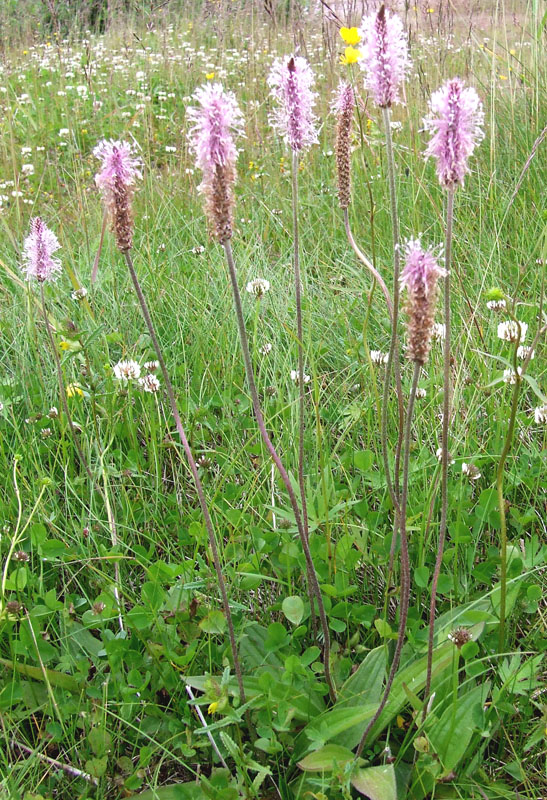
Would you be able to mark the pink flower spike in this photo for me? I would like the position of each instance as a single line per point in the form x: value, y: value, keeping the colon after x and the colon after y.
x: 39, y: 246
x: 291, y: 81
x: 419, y: 276
x: 120, y: 170
x: 456, y: 121
x: 217, y: 119
x: 385, y: 57
x: 119, y: 165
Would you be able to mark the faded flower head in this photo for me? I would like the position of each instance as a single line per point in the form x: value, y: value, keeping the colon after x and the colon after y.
x: 512, y: 331
x: 377, y: 357
x: 460, y: 636
x: 149, y: 383
x: 216, y: 120
x: 385, y: 56
x: 291, y: 81
x: 471, y: 471
x: 510, y: 376
x: 258, y: 287
x: 344, y: 106
x: 540, y: 414
x: 525, y: 352
x: 456, y: 119
x: 439, y: 454
x: 419, y: 276
x: 38, y: 260
x: 296, y: 379
x: 438, y: 332
x: 496, y: 305
x: 120, y: 169
x: 127, y: 371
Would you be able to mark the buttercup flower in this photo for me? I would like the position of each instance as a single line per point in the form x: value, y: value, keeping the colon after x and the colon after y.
x: 351, y: 56
x: 38, y: 260
x: 385, y: 56
x: 350, y: 36
x: 456, y: 119
x: 291, y: 81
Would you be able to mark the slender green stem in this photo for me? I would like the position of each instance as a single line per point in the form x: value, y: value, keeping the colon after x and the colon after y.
x: 313, y: 583
x: 299, y: 333
x: 444, y: 443
x: 393, y: 355
x: 405, y: 570
x: 193, y: 469
x: 62, y: 390
x: 368, y: 264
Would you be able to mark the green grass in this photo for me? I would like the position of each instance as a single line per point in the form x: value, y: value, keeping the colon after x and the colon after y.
x: 116, y: 707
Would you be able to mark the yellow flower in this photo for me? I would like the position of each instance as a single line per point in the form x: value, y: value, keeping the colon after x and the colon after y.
x: 209, y: 76
x: 351, y: 56
x: 212, y: 707
x: 64, y: 345
x: 430, y: 10
x: 513, y: 52
x: 503, y: 77
x: 350, y: 35
x: 73, y: 389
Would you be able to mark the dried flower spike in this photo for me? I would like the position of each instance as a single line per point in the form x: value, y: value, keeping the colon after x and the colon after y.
x: 216, y: 120
x: 291, y: 81
x: 345, y: 104
x: 119, y: 172
x: 456, y: 119
x: 419, y: 277
x: 38, y: 249
x: 385, y: 56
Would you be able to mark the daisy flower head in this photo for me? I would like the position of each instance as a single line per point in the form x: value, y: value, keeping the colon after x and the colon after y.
x: 39, y: 263
x: 385, y: 57
x: 455, y: 121
x: 291, y: 82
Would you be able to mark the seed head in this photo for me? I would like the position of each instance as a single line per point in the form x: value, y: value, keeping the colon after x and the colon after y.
x: 216, y: 119
x: 385, y: 56
x: 345, y: 104
x: 456, y: 119
x: 38, y: 260
x: 116, y: 180
x: 419, y: 277
x: 291, y: 82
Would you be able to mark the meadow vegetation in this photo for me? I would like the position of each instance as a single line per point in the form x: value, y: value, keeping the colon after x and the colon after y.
x: 117, y: 671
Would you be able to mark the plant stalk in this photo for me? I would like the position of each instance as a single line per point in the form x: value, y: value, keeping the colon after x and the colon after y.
x: 193, y: 469
x: 314, y: 588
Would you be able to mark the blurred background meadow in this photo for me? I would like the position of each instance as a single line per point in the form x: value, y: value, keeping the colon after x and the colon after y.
x: 96, y: 706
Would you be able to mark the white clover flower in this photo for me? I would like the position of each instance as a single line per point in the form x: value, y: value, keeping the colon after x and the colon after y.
x: 266, y: 348
x: 294, y: 377
x: 198, y: 250
x: 53, y: 412
x: 471, y: 471
x: 64, y: 132
x: 523, y: 352
x: 27, y: 169
x: 127, y: 371
x: 151, y: 366
x: 258, y: 287
x: 540, y: 414
x: 510, y: 376
x: 79, y: 294
x: 509, y: 331
x: 439, y: 455
x: 496, y: 305
x: 438, y: 332
x: 170, y: 149
x: 149, y: 383
x: 377, y: 357
x: 420, y: 393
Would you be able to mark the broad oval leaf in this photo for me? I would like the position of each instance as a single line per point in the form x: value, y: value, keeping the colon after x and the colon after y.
x: 326, y: 758
x: 378, y: 783
x: 293, y: 608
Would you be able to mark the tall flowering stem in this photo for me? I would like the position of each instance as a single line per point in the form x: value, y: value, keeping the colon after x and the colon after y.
x: 455, y: 120
x: 291, y: 81
x: 420, y: 278
x: 216, y: 119
x: 117, y: 179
